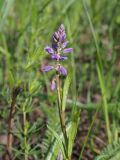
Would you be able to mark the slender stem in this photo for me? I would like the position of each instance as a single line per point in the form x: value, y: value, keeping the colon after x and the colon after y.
x: 25, y: 134
x: 90, y: 128
x: 100, y: 74
x: 11, y: 124
x: 62, y: 116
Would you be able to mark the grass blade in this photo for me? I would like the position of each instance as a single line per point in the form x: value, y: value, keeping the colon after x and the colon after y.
x: 100, y: 73
x: 5, y: 11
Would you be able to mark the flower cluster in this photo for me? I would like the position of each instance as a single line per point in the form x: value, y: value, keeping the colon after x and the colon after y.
x: 57, y: 52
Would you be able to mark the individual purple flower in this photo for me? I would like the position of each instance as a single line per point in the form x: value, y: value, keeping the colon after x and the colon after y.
x: 65, y: 44
x: 47, y: 68
x: 49, y: 50
x: 62, y: 37
x: 56, y: 36
x: 54, y: 46
x: 62, y: 70
x: 63, y: 58
x: 58, y: 57
x: 53, y: 85
x: 55, y: 56
x: 68, y: 50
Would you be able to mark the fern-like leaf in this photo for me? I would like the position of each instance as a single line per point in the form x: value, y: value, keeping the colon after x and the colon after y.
x: 111, y: 152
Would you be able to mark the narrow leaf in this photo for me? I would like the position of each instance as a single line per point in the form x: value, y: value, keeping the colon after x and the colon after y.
x: 58, y: 139
x: 73, y: 130
x: 11, y: 78
x: 65, y: 91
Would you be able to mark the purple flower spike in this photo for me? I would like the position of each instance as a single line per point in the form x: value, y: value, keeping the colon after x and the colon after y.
x: 68, y: 50
x: 65, y: 44
x: 53, y: 85
x: 56, y: 52
x: 47, y: 68
x: 49, y: 50
x: 62, y: 70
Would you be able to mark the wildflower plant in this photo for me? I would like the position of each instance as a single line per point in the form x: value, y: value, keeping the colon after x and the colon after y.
x: 59, y: 44
x: 58, y: 52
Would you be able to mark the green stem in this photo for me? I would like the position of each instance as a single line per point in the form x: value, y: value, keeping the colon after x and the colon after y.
x: 90, y: 128
x: 62, y: 117
x: 25, y: 136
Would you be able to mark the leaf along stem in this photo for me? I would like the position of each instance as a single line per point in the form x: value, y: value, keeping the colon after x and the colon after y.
x: 62, y: 118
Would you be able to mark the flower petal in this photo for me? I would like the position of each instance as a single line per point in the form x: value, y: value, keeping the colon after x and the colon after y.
x: 49, y: 50
x: 65, y: 44
x: 62, y: 70
x: 63, y: 58
x: 62, y: 37
x: 53, y: 85
x: 54, y: 46
x: 47, y: 68
x: 55, y: 56
x: 56, y: 36
x: 67, y: 50
x: 61, y: 29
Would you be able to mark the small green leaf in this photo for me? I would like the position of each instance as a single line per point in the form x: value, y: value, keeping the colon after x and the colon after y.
x: 11, y: 78
x: 34, y: 86
x: 65, y: 91
x: 73, y: 130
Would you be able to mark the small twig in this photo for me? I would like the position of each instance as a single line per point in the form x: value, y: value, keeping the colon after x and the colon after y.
x: 25, y: 130
x: 8, y: 153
